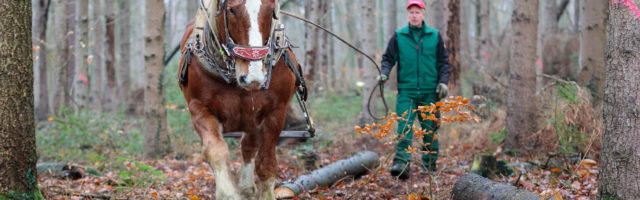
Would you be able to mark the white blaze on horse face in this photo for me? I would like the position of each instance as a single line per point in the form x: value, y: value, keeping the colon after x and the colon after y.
x: 255, y: 71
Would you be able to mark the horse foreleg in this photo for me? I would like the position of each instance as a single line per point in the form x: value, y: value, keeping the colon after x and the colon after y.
x: 214, y: 149
x: 267, y: 164
x: 249, y: 147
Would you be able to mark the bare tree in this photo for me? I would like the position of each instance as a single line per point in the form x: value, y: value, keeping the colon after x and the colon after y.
x: 61, y: 55
x: 81, y: 84
x: 71, y: 47
x: 157, y: 140
x: 391, y: 25
x: 620, y: 155
x: 39, y: 29
x: 453, y: 46
x: 522, y: 103
x: 592, y: 49
x: 368, y: 41
x: 97, y: 55
x: 124, y: 42
x: 110, y: 96
x: 548, y: 26
x: 17, y: 125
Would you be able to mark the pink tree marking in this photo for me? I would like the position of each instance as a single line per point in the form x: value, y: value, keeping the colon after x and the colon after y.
x: 630, y: 4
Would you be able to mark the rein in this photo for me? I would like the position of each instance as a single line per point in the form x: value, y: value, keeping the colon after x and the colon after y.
x: 380, y: 83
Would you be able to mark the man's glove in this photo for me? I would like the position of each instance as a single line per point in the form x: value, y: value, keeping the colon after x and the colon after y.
x: 442, y: 90
x: 382, y: 78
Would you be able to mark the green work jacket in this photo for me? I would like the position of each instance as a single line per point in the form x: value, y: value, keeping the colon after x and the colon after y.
x: 422, y: 59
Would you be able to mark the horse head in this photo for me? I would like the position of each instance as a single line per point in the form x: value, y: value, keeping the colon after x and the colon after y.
x: 248, y: 24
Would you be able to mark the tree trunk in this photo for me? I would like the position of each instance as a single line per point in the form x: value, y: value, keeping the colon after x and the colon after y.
x: 391, y: 25
x: 369, y: 78
x: 522, y: 102
x: 98, y: 52
x: 620, y: 155
x: 453, y: 46
x: 471, y: 186
x: 18, y: 178
x: 311, y: 44
x: 157, y: 141
x: 593, y: 49
x: 486, y: 42
x: 436, y: 13
x: 548, y: 26
x: 81, y: 84
x: 61, y: 55
x: 124, y: 42
x: 39, y: 28
x: 356, y: 165
x: 192, y: 8
x: 110, y: 96
x: 71, y: 37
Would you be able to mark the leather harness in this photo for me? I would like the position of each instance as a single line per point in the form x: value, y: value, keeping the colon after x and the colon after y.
x: 218, y: 59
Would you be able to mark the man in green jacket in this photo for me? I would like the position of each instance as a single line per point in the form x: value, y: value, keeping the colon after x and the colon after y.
x: 423, y: 73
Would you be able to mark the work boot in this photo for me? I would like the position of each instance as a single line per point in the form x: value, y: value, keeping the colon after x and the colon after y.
x: 400, y: 171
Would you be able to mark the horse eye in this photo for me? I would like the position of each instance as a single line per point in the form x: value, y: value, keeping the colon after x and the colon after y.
x: 231, y: 11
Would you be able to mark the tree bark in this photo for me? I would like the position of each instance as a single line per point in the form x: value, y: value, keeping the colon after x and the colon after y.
x: 17, y: 124
x: 548, y: 26
x: 368, y: 41
x: 81, y: 84
x: 471, y: 186
x: 522, y: 102
x: 356, y: 165
x: 311, y: 43
x: 61, y: 55
x: 391, y: 25
x: 436, y: 13
x: 39, y: 28
x: 453, y: 46
x: 157, y: 140
x: 124, y: 64
x: 486, y: 42
x: 192, y: 8
x: 620, y: 155
x: 110, y: 96
x: 593, y: 49
x: 71, y: 37
x: 97, y: 55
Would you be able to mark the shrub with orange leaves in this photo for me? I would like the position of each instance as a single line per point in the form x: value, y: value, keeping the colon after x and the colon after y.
x: 453, y: 109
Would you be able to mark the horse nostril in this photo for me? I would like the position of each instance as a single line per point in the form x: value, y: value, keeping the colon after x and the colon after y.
x: 243, y: 80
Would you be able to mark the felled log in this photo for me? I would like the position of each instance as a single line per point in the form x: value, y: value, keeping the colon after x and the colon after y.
x: 472, y: 186
x: 486, y: 165
x: 60, y: 170
x: 356, y: 165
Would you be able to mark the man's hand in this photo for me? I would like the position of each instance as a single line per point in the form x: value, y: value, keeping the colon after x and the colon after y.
x: 442, y: 90
x: 382, y: 78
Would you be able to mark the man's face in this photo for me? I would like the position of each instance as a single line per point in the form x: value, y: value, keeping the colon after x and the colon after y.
x: 416, y: 14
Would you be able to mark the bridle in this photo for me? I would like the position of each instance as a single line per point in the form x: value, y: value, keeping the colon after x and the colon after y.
x: 269, y: 54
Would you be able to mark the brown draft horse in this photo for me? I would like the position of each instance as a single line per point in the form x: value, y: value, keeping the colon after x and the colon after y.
x: 243, y: 105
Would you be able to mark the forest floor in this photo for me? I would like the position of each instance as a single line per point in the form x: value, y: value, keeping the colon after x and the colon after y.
x: 110, y: 148
x: 192, y: 178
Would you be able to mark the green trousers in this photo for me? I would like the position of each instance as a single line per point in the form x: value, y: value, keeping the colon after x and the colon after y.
x: 409, y: 101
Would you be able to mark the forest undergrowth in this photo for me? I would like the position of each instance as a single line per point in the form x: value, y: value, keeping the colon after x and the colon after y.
x: 109, y: 148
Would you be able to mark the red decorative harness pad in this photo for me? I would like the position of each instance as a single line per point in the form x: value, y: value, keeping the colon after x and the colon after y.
x: 251, y: 53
